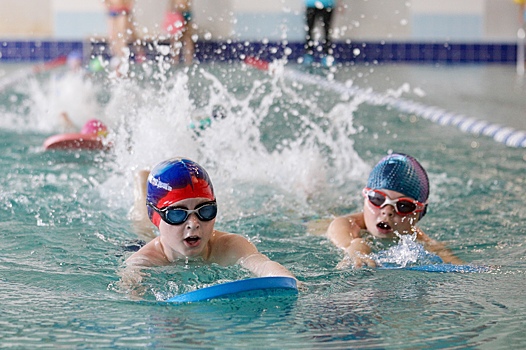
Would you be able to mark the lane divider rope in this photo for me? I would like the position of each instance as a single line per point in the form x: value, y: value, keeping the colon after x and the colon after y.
x: 506, y: 135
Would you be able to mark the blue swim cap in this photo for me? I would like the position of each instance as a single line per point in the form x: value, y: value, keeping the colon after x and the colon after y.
x: 174, y: 180
x: 401, y: 173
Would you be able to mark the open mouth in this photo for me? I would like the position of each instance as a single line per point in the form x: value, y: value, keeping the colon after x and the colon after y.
x: 383, y: 227
x: 192, y: 241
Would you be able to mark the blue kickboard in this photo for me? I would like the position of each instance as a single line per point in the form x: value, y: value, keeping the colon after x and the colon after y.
x: 252, y: 287
x: 439, y: 268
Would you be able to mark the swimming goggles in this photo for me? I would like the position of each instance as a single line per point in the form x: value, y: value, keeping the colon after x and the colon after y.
x: 403, y: 206
x: 176, y: 216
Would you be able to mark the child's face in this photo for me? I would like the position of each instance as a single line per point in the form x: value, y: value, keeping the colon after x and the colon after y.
x: 383, y: 222
x: 189, y: 239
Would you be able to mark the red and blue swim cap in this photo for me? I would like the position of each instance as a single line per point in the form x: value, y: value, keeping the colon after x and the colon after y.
x: 174, y: 180
x: 401, y: 173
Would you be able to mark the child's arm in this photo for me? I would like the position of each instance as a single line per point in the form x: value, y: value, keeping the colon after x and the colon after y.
x: 238, y: 250
x: 138, y: 214
x: 130, y: 282
x: 344, y: 232
x: 438, y: 248
x: 131, y: 274
x: 261, y: 266
x: 67, y: 124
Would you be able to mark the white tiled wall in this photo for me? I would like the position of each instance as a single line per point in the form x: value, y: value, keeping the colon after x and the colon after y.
x: 397, y: 20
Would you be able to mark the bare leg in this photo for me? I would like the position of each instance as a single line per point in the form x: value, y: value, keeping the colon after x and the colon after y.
x: 121, y: 32
x: 188, y: 45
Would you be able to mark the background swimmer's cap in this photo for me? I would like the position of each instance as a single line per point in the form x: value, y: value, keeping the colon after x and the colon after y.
x: 174, y: 180
x: 401, y: 173
x: 95, y: 126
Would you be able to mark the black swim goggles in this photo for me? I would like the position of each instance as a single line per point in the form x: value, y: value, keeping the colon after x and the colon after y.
x: 403, y: 206
x: 176, y: 216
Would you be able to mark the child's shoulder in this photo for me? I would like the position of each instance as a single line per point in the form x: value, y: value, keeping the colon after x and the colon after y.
x: 350, y: 219
x: 226, y: 240
x: 150, y: 254
x: 319, y: 227
x: 228, y: 248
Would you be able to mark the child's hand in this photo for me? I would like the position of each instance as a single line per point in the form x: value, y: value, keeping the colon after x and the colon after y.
x: 357, y: 261
x: 361, y: 260
x: 357, y: 255
x: 130, y: 282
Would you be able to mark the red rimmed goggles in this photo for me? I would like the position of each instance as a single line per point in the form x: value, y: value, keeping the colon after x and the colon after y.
x: 403, y: 206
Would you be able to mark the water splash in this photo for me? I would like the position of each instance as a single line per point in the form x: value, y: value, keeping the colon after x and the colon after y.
x: 43, y: 99
x: 284, y: 141
x: 407, y: 252
x: 275, y: 135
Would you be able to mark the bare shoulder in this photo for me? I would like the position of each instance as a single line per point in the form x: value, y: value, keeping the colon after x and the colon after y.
x: 347, y: 222
x: 321, y: 226
x: 149, y: 255
x: 231, y: 241
x: 350, y: 218
x: 228, y: 248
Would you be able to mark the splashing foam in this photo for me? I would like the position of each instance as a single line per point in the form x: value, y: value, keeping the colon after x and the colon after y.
x: 278, y: 139
x: 297, y: 164
x: 406, y: 253
x: 68, y: 92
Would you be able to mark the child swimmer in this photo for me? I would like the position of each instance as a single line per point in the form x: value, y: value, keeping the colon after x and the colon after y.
x: 180, y: 201
x: 395, y: 200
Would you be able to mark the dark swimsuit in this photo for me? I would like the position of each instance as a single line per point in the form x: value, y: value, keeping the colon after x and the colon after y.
x: 119, y: 11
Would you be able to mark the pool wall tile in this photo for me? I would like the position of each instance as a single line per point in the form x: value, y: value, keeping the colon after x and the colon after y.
x: 381, y: 52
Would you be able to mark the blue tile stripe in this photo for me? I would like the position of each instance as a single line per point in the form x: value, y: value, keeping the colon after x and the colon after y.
x: 381, y: 52
x: 35, y: 51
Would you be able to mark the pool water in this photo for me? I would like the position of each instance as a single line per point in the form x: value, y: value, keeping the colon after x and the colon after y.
x: 285, y: 155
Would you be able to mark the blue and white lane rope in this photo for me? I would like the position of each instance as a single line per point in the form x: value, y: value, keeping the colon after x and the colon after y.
x: 508, y: 136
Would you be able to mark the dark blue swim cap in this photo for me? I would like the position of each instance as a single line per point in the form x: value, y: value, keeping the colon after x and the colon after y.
x: 174, y: 180
x: 401, y: 173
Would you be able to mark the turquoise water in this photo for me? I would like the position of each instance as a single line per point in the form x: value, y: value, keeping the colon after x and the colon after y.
x: 286, y: 154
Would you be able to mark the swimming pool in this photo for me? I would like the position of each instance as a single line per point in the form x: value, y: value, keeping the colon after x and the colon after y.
x: 287, y: 153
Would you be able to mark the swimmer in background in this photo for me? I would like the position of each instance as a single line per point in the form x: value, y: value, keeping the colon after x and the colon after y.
x: 201, y: 121
x: 323, y: 9
x: 522, y: 12
x: 92, y: 126
x: 121, y: 28
x: 395, y: 200
x: 179, y: 199
x: 75, y: 95
x: 178, y: 24
x: 74, y: 61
